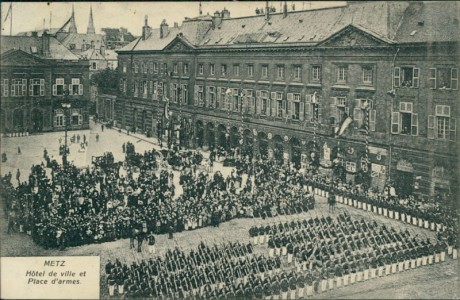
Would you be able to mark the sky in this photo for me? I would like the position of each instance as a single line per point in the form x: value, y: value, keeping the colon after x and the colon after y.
x: 29, y: 16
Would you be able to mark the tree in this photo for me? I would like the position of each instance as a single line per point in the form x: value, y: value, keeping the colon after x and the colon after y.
x: 118, y: 34
x: 106, y: 81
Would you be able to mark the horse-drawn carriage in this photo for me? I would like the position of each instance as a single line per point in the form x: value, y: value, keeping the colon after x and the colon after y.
x: 105, y: 161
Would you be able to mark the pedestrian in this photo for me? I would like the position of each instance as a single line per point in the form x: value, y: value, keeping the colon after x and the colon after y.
x: 140, y: 239
x: 18, y: 175
x: 102, y: 127
x: 170, y: 231
x: 124, y: 147
x: 132, y: 236
x: 97, y: 137
x: 11, y: 220
x: 331, y: 201
x: 151, y: 241
x: 4, y: 159
x: 19, y: 150
x: 84, y: 138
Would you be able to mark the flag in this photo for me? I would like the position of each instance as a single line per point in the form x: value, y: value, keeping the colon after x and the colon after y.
x: 314, y: 98
x: 166, y: 111
x: 366, y: 104
x: 345, y: 125
x: 9, y: 11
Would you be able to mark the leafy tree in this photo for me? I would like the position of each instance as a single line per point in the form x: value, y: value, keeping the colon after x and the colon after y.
x: 106, y: 81
x: 114, y: 34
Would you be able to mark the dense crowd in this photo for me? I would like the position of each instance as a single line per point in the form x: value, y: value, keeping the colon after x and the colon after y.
x: 62, y: 207
x: 322, y: 253
x: 68, y: 206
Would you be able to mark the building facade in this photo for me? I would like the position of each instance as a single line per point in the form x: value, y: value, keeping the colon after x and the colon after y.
x: 38, y: 74
x: 360, y: 95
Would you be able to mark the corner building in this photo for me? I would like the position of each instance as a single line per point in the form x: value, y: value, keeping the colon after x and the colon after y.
x: 370, y: 87
x: 37, y: 75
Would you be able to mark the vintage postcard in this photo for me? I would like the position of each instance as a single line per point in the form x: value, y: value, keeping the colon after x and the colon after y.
x: 208, y: 150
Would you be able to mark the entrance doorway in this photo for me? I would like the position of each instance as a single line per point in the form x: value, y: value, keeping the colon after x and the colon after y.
x: 404, y: 183
x: 37, y: 120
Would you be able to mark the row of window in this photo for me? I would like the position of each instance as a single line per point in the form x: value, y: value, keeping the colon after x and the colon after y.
x: 273, y: 104
x: 162, y: 68
x: 440, y: 125
x: 443, y: 78
x: 152, y: 68
x: 294, y: 106
x: 405, y: 76
x: 36, y: 87
x: 155, y: 89
x: 75, y: 117
x: 264, y: 71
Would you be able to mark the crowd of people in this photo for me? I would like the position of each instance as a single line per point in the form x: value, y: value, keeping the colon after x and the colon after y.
x: 66, y: 206
x: 322, y: 253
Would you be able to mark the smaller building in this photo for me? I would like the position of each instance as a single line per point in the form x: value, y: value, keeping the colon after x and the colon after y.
x: 100, y: 59
x: 38, y: 75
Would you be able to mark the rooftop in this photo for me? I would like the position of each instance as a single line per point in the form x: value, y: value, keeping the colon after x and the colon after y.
x: 391, y: 22
x: 34, y: 46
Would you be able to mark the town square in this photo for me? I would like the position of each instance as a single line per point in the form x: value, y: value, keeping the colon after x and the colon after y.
x: 279, y: 150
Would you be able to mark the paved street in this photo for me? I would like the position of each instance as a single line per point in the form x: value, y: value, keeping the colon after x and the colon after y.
x: 416, y: 283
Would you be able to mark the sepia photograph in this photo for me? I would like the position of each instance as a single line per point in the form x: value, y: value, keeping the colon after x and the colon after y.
x: 229, y: 150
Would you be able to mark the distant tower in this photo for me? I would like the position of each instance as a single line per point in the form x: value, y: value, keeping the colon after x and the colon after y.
x: 72, y: 26
x: 91, y: 22
x: 122, y: 38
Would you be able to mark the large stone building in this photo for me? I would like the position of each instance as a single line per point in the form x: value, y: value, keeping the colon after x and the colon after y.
x: 38, y: 74
x: 369, y: 89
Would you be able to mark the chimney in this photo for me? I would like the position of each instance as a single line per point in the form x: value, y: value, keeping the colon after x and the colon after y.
x: 217, y: 19
x: 34, y: 34
x: 285, y: 11
x: 45, y: 44
x: 267, y: 11
x: 176, y: 25
x: 102, y: 50
x: 225, y: 13
x: 146, y: 29
x: 164, y: 29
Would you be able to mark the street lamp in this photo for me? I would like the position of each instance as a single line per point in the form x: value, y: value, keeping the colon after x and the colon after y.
x: 66, y: 107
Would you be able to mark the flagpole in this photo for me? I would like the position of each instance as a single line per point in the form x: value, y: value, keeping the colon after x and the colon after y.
x: 11, y: 18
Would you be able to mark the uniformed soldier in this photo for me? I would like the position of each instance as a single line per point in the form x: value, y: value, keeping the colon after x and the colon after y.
x: 111, y: 280
x: 151, y: 242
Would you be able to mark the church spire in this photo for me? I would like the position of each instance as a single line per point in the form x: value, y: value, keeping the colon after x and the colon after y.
x: 91, y: 22
x: 72, y: 26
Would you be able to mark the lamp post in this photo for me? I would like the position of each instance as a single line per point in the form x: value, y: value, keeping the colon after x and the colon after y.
x: 66, y: 107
